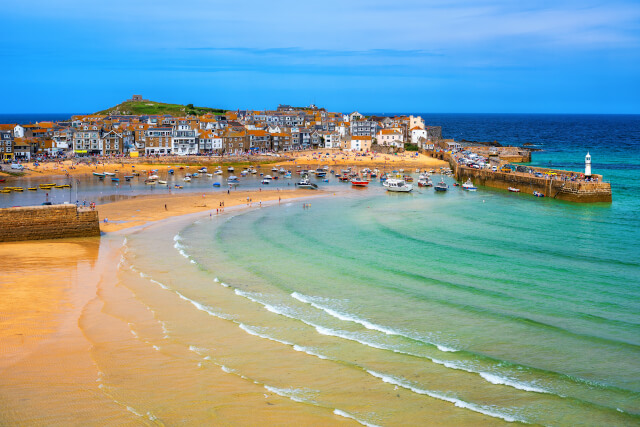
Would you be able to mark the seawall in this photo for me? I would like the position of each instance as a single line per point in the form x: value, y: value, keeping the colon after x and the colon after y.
x: 570, y: 191
x: 47, y: 222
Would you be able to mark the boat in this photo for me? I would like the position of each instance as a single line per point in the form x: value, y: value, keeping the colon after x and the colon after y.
x: 101, y: 175
x: 357, y: 182
x: 187, y: 179
x: 216, y: 184
x: 287, y: 175
x: 441, y: 186
x: 5, y: 191
x: 114, y: 179
x: 18, y: 189
x: 32, y: 188
x: 424, y: 181
x: 305, y: 183
x: 195, y: 175
x: 210, y: 175
x: 268, y: 177
x: 110, y: 174
x: 282, y: 170
x: 46, y: 186
x: 177, y: 186
x: 230, y: 169
x: 469, y: 185
x: 232, y: 178
x: 62, y: 186
x: 397, y: 185
x: 265, y: 181
x: 162, y: 182
x: 244, y: 173
x: 274, y: 169
x: 150, y: 181
x: 538, y: 194
x: 513, y: 189
x: 128, y: 177
x: 218, y: 172
x: 202, y: 170
x: 153, y: 177
x: 171, y: 171
x: 321, y: 173
x: 135, y: 173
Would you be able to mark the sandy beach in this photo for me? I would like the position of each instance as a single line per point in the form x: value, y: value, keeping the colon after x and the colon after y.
x: 299, y: 158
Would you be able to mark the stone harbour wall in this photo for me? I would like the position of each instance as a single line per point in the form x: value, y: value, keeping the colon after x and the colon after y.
x: 47, y: 222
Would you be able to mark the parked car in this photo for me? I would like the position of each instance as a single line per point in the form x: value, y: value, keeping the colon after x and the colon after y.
x: 17, y: 166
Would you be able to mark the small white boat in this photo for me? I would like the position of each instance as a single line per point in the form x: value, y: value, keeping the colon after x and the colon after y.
x: 202, y: 170
x: 187, y: 179
x: 230, y: 169
x: 305, y: 183
x: 244, y: 173
x: 513, y: 189
x: 218, y: 172
x: 469, y: 185
x: 110, y: 174
x: 150, y: 181
x: 209, y: 175
x: 232, y: 178
x: 162, y: 182
x: 397, y: 185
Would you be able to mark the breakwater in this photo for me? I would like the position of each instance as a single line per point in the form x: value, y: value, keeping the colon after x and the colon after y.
x: 47, y: 222
x: 549, y: 185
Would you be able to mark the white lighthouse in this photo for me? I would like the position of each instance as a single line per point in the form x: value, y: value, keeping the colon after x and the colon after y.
x: 587, y: 165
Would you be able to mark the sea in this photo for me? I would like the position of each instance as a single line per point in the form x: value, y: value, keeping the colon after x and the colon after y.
x: 458, y: 308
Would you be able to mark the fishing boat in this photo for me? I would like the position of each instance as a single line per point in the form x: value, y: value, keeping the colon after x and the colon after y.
x: 357, y: 182
x: 98, y: 174
x: 397, y: 185
x: 441, y: 186
x: 469, y: 185
x: 230, y: 169
x: 321, y: 173
x: 187, y: 179
x: 305, y: 183
x: 513, y: 189
x: 424, y: 181
x: 232, y: 178
x: 538, y: 194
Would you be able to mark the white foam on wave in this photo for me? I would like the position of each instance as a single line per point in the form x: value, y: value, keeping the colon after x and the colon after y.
x: 198, y: 350
x: 192, y: 262
x: 310, y: 352
x: 495, y: 379
x: 155, y: 347
x: 290, y: 393
x: 251, y: 297
x: 163, y: 286
x: 176, y: 237
x: 252, y: 331
x: 489, y: 411
x: 363, y: 322
x: 347, y: 415
x: 227, y: 370
x: 203, y: 307
x: 215, y: 279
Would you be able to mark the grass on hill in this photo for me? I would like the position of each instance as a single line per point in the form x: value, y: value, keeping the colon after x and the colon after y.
x: 159, y: 108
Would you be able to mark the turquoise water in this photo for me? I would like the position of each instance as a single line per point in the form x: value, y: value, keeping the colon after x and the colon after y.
x: 522, y: 308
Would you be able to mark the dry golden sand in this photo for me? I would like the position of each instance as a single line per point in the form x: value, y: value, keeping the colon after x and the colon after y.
x: 143, y: 209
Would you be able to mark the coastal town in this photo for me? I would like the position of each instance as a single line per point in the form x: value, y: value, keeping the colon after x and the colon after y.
x: 231, y: 133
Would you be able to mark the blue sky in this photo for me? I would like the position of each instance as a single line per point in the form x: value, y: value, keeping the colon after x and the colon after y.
x: 560, y: 56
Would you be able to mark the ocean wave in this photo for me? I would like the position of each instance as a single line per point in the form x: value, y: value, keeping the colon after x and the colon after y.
x: 363, y: 322
x: 252, y: 331
x: 310, y: 352
x: 495, y: 379
x: 203, y: 307
x: 347, y: 415
x: 289, y: 393
x: 489, y: 411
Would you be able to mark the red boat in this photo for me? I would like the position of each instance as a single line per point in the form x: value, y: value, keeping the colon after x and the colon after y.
x: 359, y: 182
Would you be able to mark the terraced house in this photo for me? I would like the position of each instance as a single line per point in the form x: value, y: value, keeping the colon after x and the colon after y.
x: 87, y: 140
x: 158, y: 141
x: 6, y: 145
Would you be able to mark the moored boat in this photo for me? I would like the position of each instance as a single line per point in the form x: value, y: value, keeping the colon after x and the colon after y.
x: 305, y: 183
x: 513, y: 189
x: 441, y: 186
x: 357, y: 182
x: 538, y: 194
x: 98, y: 174
x: 397, y: 185
x: 469, y: 185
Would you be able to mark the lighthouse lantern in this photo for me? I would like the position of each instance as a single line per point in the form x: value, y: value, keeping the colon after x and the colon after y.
x: 587, y: 165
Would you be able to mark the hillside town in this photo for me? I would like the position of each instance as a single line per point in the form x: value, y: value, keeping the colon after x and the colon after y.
x: 231, y: 133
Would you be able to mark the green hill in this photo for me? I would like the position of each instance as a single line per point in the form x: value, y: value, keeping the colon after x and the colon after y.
x: 152, y: 107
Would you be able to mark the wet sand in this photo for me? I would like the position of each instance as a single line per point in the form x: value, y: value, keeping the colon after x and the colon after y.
x: 67, y: 309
